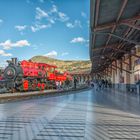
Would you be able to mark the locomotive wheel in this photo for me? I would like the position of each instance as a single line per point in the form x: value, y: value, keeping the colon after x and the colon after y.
x: 34, y: 84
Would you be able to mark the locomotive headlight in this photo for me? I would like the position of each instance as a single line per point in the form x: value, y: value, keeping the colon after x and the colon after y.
x: 9, y: 73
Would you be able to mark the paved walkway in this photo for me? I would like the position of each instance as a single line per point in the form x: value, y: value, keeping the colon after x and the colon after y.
x: 87, y: 115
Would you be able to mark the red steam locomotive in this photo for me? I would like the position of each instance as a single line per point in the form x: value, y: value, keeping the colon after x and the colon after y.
x: 29, y: 76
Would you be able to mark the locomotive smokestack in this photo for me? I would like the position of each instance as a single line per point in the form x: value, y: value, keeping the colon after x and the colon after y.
x: 14, y: 61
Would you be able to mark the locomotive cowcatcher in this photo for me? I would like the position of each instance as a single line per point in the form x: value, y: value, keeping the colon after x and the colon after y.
x: 29, y: 76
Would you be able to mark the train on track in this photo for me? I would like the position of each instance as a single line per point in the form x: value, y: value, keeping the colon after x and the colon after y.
x: 30, y: 76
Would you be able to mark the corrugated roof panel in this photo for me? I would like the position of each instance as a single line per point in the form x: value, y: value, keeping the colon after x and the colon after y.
x: 92, y: 12
x: 120, y: 30
x: 100, y: 40
x: 132, y: 9
x: 109, y: 10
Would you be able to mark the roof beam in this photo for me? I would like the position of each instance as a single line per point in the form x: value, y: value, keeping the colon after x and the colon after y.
x: 126, y: 35
x: 125, y: 21
x: 131, y: 25
x: 122, y: 69
x: 123, y: 51
x: 108, y: 46
x: 122, y: 9
x: 97, y: 12
x: 118, y: 18
x: 125, y: 62
x: 112, y: 67
x: 119, y: 37
x: 97, y: 7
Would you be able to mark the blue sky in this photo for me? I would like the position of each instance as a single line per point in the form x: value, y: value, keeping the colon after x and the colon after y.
x: 54, y: 28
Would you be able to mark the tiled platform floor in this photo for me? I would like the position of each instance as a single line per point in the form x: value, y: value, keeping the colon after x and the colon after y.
x: 87, y: 115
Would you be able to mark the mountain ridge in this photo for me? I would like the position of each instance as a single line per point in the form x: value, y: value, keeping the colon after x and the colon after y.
x: 65, y: 65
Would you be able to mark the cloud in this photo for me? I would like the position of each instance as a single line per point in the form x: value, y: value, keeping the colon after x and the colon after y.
x: 83, y: 14
x: 20, y: 27
x: 50, y: 16
x: 77, y: 23
x: 8, y: 44
x: 51, y: 20
x: 63, y: 17
x: 4, y: 63
x: 52, y: 54
x: 54, y: 9
x: 69, y: 25
x: 65, y: 53
x: 78, y: 40
x: 3, y: 53
x: 38, y: 27
x: 41, y: 13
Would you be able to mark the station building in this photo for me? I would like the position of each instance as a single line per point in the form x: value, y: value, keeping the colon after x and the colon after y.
x: 115, y: 42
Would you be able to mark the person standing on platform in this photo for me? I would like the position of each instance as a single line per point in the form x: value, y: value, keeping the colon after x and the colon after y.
x: 57, y: 85
x: 96, y: 84
x: 106, y: 83
x: 67, y: 83
x: 75, y: 83
x: 92, y: 83
x: 102, y: 84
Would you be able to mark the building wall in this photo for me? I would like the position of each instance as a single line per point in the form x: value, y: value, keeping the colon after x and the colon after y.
x: 125, y: 81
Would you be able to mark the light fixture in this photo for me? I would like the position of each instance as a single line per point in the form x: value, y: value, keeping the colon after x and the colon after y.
x: 126, y: 55
x: 102, y: 57
x: 133, y: 51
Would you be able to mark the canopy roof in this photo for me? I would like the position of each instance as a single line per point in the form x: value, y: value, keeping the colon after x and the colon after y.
x: 114, y: 30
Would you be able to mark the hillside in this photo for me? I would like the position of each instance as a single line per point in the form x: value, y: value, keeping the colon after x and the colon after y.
x: 71, y: 66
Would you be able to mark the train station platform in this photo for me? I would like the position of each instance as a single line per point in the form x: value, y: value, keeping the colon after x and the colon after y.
x: 83, y: 115
x: 16, y: 96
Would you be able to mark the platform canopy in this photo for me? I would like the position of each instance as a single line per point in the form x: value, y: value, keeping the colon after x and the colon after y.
x: 114, y: 30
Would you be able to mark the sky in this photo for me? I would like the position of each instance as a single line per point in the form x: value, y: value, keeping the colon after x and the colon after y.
x: 53, y: 28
